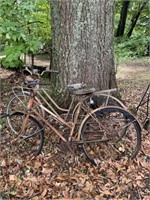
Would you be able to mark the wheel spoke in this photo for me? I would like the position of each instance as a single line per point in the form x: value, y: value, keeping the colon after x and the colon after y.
x: 110, y: 132
x: 30, y: 142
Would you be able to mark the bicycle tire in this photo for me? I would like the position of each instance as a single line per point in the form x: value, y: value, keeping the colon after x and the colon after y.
x: 19, y: 102
x: 31, y: 142
x: 118, y: 131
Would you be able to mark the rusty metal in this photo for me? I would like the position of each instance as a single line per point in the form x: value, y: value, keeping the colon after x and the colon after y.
x: 34, y: 101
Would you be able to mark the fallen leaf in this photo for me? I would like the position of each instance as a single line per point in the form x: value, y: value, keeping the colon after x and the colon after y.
x: 44, y: 193
x: 12, y: 178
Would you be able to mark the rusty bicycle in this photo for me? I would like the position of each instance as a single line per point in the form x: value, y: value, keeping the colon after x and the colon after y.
x: 108, y: 128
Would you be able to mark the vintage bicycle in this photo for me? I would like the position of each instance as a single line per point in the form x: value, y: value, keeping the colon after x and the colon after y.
x: 110, y: 128
x: 22, y: 95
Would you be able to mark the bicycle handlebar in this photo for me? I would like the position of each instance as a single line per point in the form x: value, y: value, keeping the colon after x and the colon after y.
x: 49, y: 71
x: 44, y: 83
x: 34, y: 83
x: 36, y: 71
x: 29, y: 81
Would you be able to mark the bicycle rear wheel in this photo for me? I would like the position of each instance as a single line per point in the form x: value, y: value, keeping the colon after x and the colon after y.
x: 30, y: 143
x: 110, y: 132
x: 19, y: 103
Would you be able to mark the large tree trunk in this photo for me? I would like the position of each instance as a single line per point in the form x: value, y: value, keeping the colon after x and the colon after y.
x: 82, y: 42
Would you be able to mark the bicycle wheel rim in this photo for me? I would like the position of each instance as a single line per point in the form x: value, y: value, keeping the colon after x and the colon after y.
x: 120, y: 136
x: 19, y: 103
x: 30, y: 143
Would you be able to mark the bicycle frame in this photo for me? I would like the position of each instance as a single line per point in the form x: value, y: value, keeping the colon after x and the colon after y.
x: 71, y: 124
x: 34, y: 101
x: 94, y: 119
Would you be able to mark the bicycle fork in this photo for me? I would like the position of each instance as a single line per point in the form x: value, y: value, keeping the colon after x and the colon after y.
x: 25, y: 121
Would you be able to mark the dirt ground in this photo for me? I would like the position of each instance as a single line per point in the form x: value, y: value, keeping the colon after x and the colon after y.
x: 133, y: 77
x: 53, y: 175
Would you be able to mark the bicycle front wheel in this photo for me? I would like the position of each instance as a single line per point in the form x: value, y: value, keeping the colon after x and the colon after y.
x: 110, y: 132
x: 29, y: 143
x: 19, y: 103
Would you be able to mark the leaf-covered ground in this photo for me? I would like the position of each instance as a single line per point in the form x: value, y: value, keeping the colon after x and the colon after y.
x: 56, y: 174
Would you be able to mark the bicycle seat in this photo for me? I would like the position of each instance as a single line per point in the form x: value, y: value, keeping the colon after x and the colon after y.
x: 85, y: 91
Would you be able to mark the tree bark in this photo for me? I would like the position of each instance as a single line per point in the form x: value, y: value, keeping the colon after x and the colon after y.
x: 123, y: 17
x: 82, y: 42
x: 135, y: 18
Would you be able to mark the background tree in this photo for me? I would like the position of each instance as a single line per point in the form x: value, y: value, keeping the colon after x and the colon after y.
x: 123, y: 17
x: 82, y: 42
x: 136, y: 17
x: 131, y: 44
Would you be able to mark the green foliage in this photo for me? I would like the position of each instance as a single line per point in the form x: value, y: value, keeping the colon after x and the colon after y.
x: 137, y: 44
x: 44, y: 29
x: 24, y: 27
